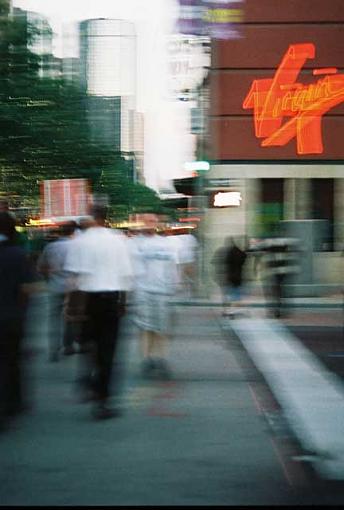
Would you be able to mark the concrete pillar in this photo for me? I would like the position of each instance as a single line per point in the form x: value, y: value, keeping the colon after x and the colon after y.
x: 302, y: 199
x: 289, y: 199
x: 297, y: 199
x: 252, y: 201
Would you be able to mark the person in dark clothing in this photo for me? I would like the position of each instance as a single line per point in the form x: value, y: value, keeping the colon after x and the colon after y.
x: 16, y: 276
x: 279, y: 260
x: 229, y: 262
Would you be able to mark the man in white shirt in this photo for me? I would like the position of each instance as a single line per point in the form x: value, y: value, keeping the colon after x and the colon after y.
x: 101, y: 260
x: 156, y: 281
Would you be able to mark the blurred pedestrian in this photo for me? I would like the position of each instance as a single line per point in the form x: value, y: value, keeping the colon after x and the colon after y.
x: 101, y: 261
x: 74, y: 313
x: 229, y: 262
x: 16, y: 277
x: 155, y: 282
x: 187, y: 261
x: 85, y: 223
x: 184, y: 246
x: 51, y: 266
x: 278, y: 260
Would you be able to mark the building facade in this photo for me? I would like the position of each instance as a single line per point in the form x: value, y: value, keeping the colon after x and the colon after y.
x: 276, y: 126
x: 108, y: 76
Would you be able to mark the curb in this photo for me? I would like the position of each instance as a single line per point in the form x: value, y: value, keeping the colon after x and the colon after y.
x: 335, y: 305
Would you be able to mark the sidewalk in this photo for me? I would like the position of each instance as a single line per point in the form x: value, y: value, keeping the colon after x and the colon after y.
x: 198, y: 439
x: 324, y: 311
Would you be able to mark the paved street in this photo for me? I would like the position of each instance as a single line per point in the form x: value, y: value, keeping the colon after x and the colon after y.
x: 200, y: 439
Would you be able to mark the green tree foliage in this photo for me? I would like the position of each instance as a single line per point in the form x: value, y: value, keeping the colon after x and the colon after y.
x: 43, y: 127
x: 44, y: 130
x: 125, y: 196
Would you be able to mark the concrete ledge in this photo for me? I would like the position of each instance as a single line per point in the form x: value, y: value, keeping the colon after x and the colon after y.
x: 289, y: 303
x: 314, y: 290
x: 311, y: 397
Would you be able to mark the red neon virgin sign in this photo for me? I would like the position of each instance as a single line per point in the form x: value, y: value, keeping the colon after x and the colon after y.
x: 272, y: 99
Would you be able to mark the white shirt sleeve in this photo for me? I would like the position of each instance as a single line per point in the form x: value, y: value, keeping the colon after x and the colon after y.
x: 125, y: 261
x: 75, y: 261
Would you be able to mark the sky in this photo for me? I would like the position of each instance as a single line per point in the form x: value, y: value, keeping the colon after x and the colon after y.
x: 168, y: 143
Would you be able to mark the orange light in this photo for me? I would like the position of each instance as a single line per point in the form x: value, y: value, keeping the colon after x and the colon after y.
x: 43, y: 222
x: 187, y: 220
x: 272, y: 99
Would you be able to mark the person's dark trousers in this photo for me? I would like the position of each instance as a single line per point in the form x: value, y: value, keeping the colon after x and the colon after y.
x: 86, y: 361
x: 75, y: 328
x: 69, y: 334
x: 11, y: 397
x: 104, y: 310
x: 79, y: 313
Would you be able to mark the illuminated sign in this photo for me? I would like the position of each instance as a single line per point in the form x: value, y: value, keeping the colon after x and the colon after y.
x: 218, y: 19
x: 197, y: 166
x: 227, y: 199
x: 273, y: 99
x: 65, y: 197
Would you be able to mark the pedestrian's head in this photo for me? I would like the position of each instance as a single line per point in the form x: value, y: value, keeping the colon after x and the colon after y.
x: 7, y: 226
x: 68, y: 228
x: 99, y: 213
x: 52, y: 234
x: 151, y: 223
x: 230, y: 242
x: 85, y: 223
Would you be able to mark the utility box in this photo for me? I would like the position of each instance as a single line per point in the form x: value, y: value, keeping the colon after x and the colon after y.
x: 312, y: 236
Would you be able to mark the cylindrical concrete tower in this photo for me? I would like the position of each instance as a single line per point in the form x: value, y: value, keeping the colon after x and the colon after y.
x: 108, y: 57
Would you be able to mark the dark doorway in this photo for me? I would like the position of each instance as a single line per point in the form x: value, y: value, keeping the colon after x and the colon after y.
x: 271, y: 205
x: 322, y: 207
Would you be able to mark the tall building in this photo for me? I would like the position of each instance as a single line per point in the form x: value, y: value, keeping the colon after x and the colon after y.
x: 139, y: 144
x: 108, y: 76
x: 104, y: 120
x: 108, y: 57
x: 71, y: 69
x: 41, y: 43
x: 188, y: 63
